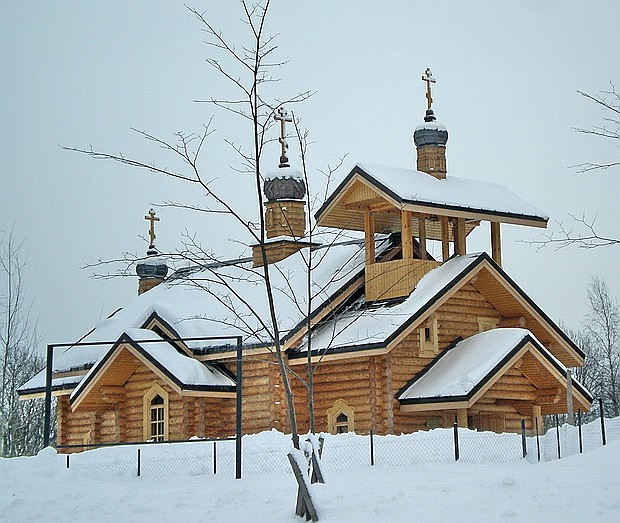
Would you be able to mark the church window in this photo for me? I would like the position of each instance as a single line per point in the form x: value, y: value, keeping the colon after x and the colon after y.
x: 156, y: 418
x: 340, y: 418
x: 429, y: 339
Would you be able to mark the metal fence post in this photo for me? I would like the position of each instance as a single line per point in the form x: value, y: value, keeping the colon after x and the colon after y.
x: 456, y: 441
x: 67, y: 460
x: 239, y: 407
x: 47, y: 417
x: 138, y: 462
x: 523, y: 440
x: 537, y: 440
x: 215, y: 457
x: 557, y: 432
x: 372, y: 449
x: 600, y: 404
x: 580, y: 435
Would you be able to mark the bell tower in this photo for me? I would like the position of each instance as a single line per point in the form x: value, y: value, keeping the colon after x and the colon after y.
x: 430, y: 137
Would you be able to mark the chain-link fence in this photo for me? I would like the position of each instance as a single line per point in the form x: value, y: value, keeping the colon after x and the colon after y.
x: 266, y: 453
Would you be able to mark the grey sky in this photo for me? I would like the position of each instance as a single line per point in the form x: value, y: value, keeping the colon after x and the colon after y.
x: 82, y: 73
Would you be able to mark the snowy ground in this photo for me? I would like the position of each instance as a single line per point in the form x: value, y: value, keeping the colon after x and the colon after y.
x: 582, y: 487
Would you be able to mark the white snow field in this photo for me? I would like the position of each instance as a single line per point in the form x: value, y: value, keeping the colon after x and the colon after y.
x: 101, y: 485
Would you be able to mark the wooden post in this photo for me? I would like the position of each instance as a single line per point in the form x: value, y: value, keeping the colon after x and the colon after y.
x: 569, y: 398
x: 307, y: 506
x: 496, y: 243
x: 369, y: 236
x: 445, y: 238
x: 406, y: 234
x: 537, y: 416
x: 422, y: 235
x: 461, y: 415
x: 461, y: 233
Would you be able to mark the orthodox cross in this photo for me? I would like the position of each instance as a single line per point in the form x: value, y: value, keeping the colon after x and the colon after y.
x: 152, y: 219
x: 282, y: 116
x: 428, y: 78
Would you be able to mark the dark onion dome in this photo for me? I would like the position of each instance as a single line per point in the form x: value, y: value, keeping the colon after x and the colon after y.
x: 284, y: 184
x: 153, y: 266
x: 430, y: 132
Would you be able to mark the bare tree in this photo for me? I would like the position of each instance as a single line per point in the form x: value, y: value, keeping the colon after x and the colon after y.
x: 248, y: 70
x: 21, y: 422
x: 581, y: 230
x: 602, y: 327
x: 609, y: 101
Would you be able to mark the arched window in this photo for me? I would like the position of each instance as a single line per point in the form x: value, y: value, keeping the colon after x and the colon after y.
x: 340, y: 418
x: 156, y: 422
x: 158, y: 419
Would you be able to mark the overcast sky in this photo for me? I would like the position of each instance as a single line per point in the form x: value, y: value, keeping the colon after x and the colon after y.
x: 82, y: 73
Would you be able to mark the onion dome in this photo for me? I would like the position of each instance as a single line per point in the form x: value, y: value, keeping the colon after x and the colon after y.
x: 154, y: 266
x: 284, y: 184
x: 430, y: 132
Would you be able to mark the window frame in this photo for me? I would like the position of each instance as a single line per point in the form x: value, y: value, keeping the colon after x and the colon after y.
x: 147, y: 407
x: 340, y: 407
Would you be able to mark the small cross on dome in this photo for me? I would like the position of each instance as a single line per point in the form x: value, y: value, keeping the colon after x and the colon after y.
x: 428, y: 78
x: 282, y: 116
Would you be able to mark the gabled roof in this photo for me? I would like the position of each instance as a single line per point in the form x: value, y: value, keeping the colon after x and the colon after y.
x: 461, y: 373
x: 382, y: 325
x: 198, y: 303
x: 421, y: 192
x: 182, y: 372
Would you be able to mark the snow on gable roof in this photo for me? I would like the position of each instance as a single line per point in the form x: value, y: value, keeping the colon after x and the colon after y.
x: 364, y: 328
x: 415, y: 187
x: 461, y: 371
x: 184, y: 371
x: 199, y: 304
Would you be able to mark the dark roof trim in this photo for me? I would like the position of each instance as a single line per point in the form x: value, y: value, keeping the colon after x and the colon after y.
x: 296, y: 354
x: 126, y: 339
x: 38, y: 390
x: 448, y: 399
x: 534, y: 306
x: 371, y: 179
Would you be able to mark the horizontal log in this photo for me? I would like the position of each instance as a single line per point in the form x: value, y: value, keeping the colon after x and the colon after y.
x: 499, y: 394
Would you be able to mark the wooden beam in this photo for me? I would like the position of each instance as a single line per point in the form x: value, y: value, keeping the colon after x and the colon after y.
x: 369, y: 236
x: 517, y: 321
x: 496, y: 243
x: 460, y: 237
x: 406, y: 234
x: 461, y: 418
x: 422, y: 233
x: 445, y: 238
x: 537, y: 415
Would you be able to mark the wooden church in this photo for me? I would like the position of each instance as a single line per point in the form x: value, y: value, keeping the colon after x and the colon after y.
x: 400, y: 340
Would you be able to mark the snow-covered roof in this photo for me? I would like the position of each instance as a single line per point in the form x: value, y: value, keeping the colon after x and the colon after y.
x: 452, y: 193
x: 203, y: 304
x: 367, y: 325
x: 463, y: 369
x: 183, y: 370
x: 460, y: 369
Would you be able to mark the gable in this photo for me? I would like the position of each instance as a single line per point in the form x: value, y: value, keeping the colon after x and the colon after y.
x: 474, y: 367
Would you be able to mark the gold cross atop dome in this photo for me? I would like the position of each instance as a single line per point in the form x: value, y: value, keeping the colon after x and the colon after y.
x: 151, y: 217
x: 282, y: 116
x: 428, y: 78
